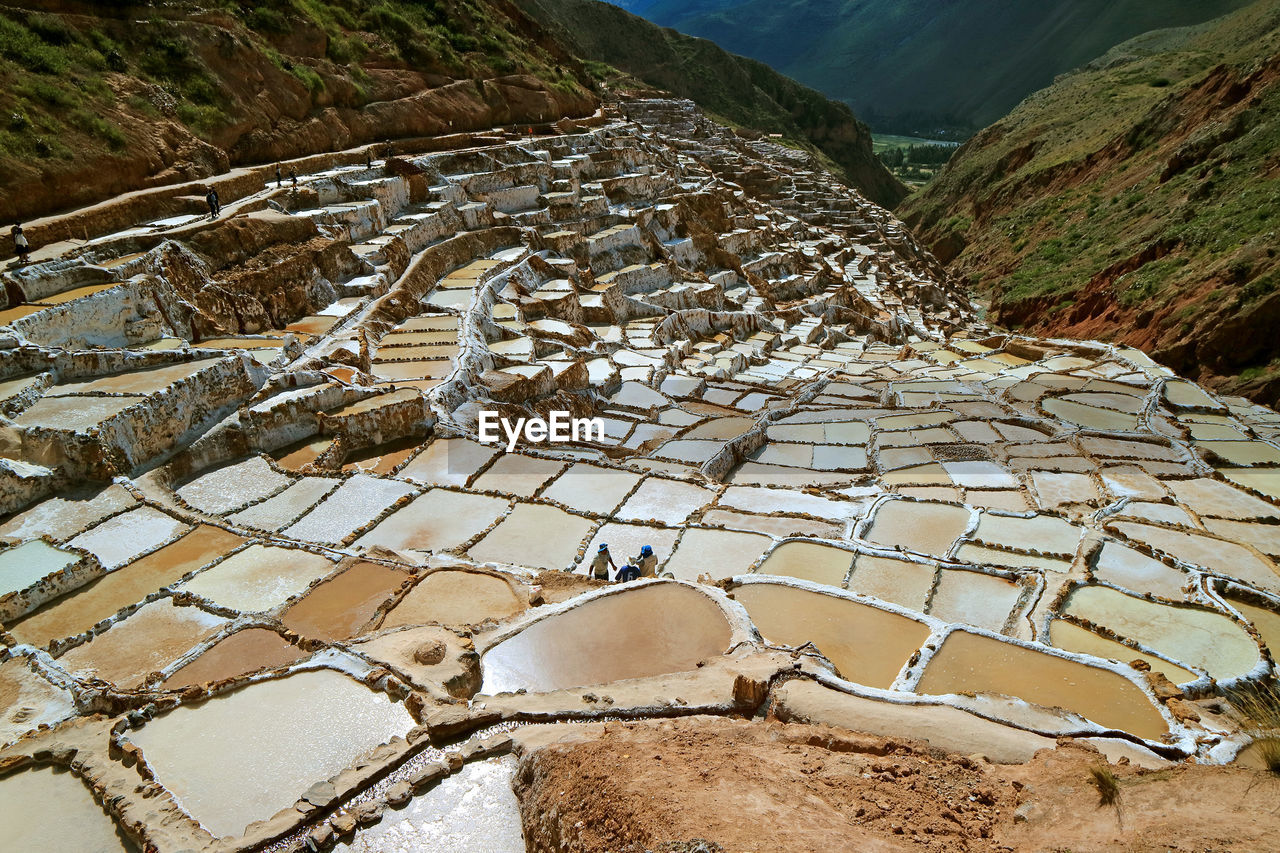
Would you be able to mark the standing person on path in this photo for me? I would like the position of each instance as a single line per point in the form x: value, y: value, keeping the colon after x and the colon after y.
x: 293, y: 176
x: 600, y: 565
x: 211, y: 198
x: 20, y: 245
x: 279, y: 177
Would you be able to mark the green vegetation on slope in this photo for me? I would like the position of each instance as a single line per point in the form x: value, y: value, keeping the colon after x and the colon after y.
x: 1137, y: 199
x: 912, y: 160
x: 917, y: 66
x: 742, y: 91
x: 87, y: 94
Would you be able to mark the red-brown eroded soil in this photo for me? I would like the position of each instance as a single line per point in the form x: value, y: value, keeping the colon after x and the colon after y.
x: 768, y: 787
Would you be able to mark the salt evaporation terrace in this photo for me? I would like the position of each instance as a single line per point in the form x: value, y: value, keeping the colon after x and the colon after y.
x: 251, y: 533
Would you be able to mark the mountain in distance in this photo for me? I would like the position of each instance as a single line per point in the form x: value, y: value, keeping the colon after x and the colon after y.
x: 925, y: 67
x: 1136, y: 200
x: 735, y: 90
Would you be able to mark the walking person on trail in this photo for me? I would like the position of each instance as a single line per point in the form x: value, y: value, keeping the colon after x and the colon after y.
x: 279, y: 177
x: 293, y: 176
x: 211, y: 198
x: 601, y: 564
x: 20, y: 245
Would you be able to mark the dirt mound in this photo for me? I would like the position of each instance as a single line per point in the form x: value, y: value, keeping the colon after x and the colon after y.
x: 750, y: 787
x: 560, y: 586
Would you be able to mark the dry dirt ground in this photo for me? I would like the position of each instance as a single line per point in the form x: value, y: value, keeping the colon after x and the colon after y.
x: 710, y: 785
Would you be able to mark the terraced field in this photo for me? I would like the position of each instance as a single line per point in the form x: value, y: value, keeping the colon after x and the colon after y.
x: 251, y: 531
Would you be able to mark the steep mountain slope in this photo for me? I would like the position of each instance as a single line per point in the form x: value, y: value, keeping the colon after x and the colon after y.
x: 916, y: 65
x: 741, y: 91
x: 99, y: 99
x: 1136, y: 200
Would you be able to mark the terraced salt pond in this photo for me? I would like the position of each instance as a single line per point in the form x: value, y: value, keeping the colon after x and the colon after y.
x: 473, y: 809
x: 916, y: 519
x: 456, y: 598
x: 23, y: 565
x: 259, y: 578
x: 1201, y: 638
x: 284, y: 734
x: 928, y: 528
x: 968, y: 662
x: 866, y: 644
x: 51, y: 811
x: 650, y: 630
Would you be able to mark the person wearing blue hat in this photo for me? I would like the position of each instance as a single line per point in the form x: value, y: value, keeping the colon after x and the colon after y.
x: 601, y: 564
x: 646, y: 562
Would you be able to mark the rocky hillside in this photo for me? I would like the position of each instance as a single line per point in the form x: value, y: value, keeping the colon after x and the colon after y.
x: 1136, y: 200
x: 914, y: 66
x: 738, y: 91
x: 100, y: 99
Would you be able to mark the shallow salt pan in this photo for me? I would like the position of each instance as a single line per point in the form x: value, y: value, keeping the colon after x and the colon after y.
x: 118, y: 540
x: 718, y: 553
x: 809, y: 561
x: 1136, y: 571
x: 284, y: 735
x: 533, y: 535
x: 455, y: 599
x: 1202, y: 638
x: 74, y: 413
x: 147, y: 641
x: 590, y: 488
x: 929, y: 528
x: 259, y: 578
x: 243, y: 652
x: 757, y: 499
x: 28, y: 701
x: 667, y: 501
x: 970, y: 663
x: 868, y: 645
x: 448, y: 462
x: 233, y: 486
x: 516, y: 474
x: 51, y: 811
x: 896, y: 581
x: 276, y: 512
x: 973, y: 598
x: 341, y: 606
x: 638, y: 632
x: 27, y: 563
x: 437, y: 520
x: 473, y: 809
x: 357, y: 502
x: 1073, y: 638
x: 61, y: 518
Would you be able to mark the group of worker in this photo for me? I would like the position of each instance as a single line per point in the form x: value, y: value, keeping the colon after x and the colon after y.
x: 643, y: 565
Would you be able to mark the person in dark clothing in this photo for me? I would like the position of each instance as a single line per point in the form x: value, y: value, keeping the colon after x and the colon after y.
x: 368, y: 159
x: 279, y: 177
x: 293, y: 176
x: 20, y: 244
x: 211, y: 198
